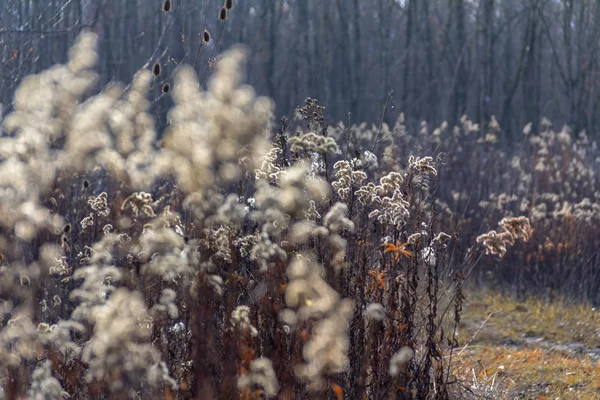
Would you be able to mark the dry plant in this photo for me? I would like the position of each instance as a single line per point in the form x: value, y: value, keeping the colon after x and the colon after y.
x: 220, y: 262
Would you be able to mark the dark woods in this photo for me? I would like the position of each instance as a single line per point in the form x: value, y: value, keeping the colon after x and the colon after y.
x: 439, y: 59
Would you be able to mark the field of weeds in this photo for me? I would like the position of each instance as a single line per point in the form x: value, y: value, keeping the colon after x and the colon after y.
x: 232, y: 256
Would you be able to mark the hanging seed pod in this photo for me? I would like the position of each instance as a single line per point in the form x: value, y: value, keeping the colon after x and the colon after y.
x: 166, y: 6
x: 156, y: 69
x: 229, y: 4
x: 223, y: 14
x: 205, y: 36
x: 165, y: 88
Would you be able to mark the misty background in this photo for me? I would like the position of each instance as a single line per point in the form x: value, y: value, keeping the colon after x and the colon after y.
x: 435, y: 60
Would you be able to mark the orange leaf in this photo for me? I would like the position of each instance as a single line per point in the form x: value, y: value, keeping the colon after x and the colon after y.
x: 388, y: 247
x: 402, y: 250
x: 168, y: 393
x: 304, y: 335
x: 398, y: 249
x: 184, y: 385
x: 379, y: 278
x: 337, y: 389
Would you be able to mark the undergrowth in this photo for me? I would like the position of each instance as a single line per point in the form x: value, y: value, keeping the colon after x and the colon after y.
x: 239, y: 258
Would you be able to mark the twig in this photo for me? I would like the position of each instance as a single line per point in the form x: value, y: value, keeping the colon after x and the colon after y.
x: 478, y: 330
x: 385, y: 106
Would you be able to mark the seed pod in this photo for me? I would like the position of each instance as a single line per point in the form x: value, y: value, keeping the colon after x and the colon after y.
x: 156, y: 69
x: 229, y: 4
x: 223, y: 14
x: 166, y: 6
x: 165, y: 88
x: 205, y: 36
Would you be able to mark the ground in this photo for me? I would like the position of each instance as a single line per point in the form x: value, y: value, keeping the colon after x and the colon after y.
x: 528, y: 349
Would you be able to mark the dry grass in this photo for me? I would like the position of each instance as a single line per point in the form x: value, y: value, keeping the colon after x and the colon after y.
x: 529, y: 349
